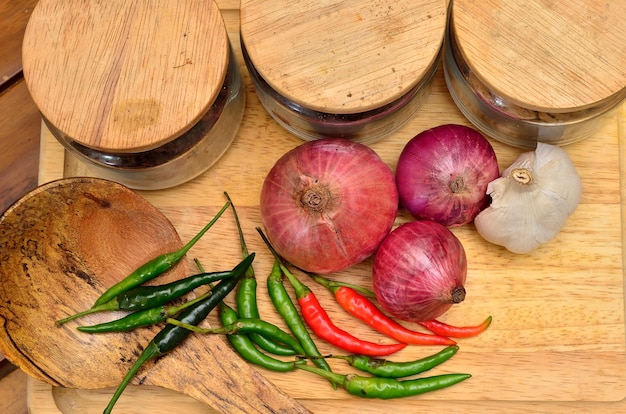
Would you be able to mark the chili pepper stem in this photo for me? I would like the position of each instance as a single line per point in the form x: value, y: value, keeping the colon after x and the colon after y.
x: 232, y: 329
x: 110, y: 305
x: 155, y: 266
x: 177, y: 255
x: 247, y: 326
x: 194, y: 328
x: 151, y: 351
x: 334, y: 378
x: 198, y: 264
x: 300, y: 288
x: 244, y: 248
x: 334, y: 285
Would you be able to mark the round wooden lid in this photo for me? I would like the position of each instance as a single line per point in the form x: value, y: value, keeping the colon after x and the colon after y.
x: 339, y: 56
x: 121, y: 75
x: 546, y: 56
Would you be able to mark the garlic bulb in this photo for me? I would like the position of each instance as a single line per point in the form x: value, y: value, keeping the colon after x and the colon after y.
x: 531, y: 200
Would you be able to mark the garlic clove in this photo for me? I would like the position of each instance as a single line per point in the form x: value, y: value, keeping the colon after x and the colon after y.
x: 531, y: 201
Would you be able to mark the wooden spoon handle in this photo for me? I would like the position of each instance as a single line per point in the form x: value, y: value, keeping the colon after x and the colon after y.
x: 205, y: 368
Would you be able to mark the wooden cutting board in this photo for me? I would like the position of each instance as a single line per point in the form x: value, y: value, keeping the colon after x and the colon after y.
x: 558, y: 338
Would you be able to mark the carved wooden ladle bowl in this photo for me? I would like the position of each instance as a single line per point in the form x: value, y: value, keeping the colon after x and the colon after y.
x: 61, y: 246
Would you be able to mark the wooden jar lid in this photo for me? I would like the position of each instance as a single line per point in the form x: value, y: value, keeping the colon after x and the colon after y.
x: 342, y: 56
x: 121, y: 75
x: 546, y: 56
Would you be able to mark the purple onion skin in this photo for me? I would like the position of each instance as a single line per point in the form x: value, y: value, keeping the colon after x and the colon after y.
x: 443, y: 172
x: 419, y: 271
x: 327, y: 204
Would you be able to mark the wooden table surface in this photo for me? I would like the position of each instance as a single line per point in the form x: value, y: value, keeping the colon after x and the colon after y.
x: 19, y: 155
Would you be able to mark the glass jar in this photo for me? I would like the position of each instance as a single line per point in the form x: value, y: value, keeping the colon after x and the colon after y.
x: 147, y: 94
x: 523, y: 72
x: 355, y: 70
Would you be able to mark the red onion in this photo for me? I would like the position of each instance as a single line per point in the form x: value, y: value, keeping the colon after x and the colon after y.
x: 419, y: 271
x: 443, y: 172
x: 327, y: 204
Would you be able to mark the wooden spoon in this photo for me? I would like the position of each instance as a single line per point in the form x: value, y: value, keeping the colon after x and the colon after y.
x: 61, y: 246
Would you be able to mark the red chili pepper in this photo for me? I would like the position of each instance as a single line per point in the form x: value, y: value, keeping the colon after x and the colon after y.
x: 319, y: 321
x: 365, y: 310
x: 361, y: 307
x: 441, y: 328
x: 317, y: 318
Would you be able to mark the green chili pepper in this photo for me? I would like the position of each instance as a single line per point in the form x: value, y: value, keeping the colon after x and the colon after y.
x: 156, y: 315
x: 171, y: 336
x: 286, y: 308
x: 247, y: 327
x: 387, y: 388
x: 388, y: 369
x: 145, y: 297
x: 154, y: 267
x: 247, y: 306
x: 144, y: 317
x: 246, y: 348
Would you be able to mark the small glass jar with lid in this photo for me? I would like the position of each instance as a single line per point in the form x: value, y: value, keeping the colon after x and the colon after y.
x: 351, y: 69
x: 524, y: 72
x: 147, y: 93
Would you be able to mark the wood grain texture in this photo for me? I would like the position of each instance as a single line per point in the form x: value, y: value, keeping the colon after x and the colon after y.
x: 558, y: 340
x: 545, y: 55
x: 69, y: 228
x: 20, y: 125
x: 13, y: 399
x: 19, y: 154
x: 142, y: 72
x: 14, y: 14
x: 343, y: 56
